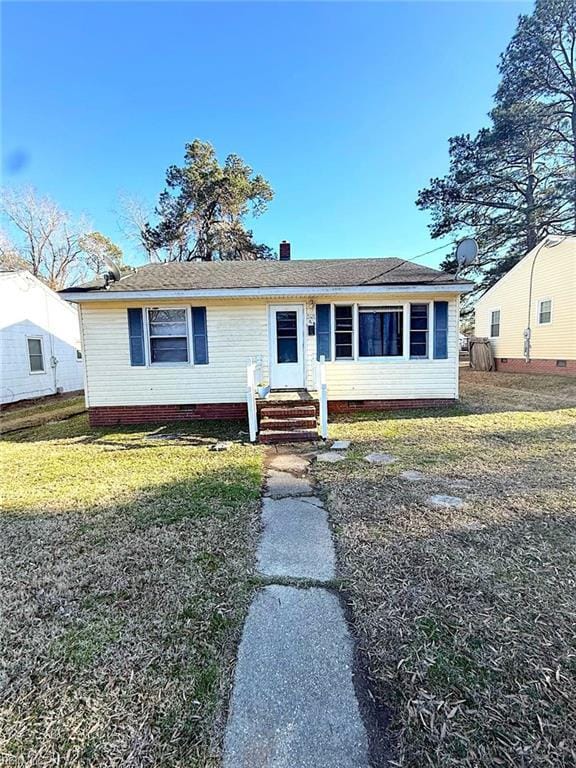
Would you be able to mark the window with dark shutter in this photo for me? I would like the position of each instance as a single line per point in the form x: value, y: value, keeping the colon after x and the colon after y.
x: 323, y: 332
x: 418, y: 331
x: 168, y: 333
x: 136, y: 336
x: 200, y: 335
x: 440, y: 330
x: 344, y: 332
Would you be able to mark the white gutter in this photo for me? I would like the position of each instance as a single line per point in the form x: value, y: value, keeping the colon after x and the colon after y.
x: 239, y: 293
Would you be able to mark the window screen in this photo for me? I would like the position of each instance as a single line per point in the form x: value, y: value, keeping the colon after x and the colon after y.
x: 381, y: 332
x: 419, y: 330
x: 545, y: 312
x: 287, y: 336
x: 168, y: 329
x: 344, y: 332
x: 495, y: 323
x: 36, y: 355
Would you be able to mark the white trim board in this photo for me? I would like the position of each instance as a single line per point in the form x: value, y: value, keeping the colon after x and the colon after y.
x: 239, y: 293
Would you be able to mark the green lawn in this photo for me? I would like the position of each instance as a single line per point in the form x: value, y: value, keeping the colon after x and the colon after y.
x: 36, y: 412
x: 467, y: 617
x: 124, y: 565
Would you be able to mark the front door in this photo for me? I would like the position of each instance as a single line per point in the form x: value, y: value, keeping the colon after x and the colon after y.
x: 287, y: 346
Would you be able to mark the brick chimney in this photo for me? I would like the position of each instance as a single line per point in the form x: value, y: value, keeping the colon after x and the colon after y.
x: 284, y: 250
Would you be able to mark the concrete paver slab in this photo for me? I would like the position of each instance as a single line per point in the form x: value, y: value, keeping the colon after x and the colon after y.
x: 412, y: 475
x: 293, y: 704
x: 279, y: 484
x: 330, y: 457
x: 340, y: 445
x: 290, y: 462
x: 296, y: 541
x: 380, y: 458
x: 445, y: 502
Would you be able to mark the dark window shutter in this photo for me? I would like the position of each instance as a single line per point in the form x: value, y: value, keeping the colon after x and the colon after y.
x: 323, y: 332
x: 200, y: 335
x: 136, y: 333
x: 440, y: 330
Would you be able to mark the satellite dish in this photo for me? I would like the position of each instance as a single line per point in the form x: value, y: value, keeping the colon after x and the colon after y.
x: 113, y: 273
x: 466, y: 253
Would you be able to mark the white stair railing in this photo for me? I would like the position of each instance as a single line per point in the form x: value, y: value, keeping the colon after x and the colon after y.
x: 251, y: 399
x: 323, y: 393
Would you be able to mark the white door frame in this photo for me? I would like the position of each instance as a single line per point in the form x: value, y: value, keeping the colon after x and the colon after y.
x: 296, y: 377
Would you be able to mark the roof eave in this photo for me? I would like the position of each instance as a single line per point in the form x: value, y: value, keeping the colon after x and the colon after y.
x: 241, y: 293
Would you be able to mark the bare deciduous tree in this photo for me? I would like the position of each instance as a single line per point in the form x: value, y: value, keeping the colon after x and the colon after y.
x: 43, y: 238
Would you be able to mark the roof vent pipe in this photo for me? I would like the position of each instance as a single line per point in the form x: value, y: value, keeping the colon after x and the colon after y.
x: 284, y: 250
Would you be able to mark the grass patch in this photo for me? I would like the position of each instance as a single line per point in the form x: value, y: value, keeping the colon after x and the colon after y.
x: 125, y: 565
x: 23, y: 415
x: 467, y: 616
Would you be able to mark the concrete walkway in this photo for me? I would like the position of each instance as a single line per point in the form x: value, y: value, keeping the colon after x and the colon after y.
x: 293, y: 702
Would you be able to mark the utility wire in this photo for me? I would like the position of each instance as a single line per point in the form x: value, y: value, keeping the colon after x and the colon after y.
x: 405, y: 261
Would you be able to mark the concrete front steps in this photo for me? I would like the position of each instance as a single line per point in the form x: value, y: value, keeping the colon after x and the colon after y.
x: 288, y: 422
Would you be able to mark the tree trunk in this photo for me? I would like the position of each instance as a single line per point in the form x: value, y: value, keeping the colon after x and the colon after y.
x: 531, y: 229
x: 574, y: 162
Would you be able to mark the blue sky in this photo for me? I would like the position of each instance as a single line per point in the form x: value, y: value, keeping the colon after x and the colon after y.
x: 345, y: 108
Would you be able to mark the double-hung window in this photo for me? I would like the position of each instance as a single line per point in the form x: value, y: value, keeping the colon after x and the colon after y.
x: 168, y: 334
x: 419, y: 331
x: 36, y: 355
x: 344, y: 332
x: 545, y: 312
x: 495, y: 323
x: 380, y: 331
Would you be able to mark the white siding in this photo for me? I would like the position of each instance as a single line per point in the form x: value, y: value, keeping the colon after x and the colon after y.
x: 29, y: 309
x: 237, y: 331
x: 554, y: 277
x: 393, y: 379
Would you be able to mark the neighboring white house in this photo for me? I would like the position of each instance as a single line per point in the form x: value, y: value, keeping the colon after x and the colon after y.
x: 529, y: 315
x: 39, y: 340
x: 177, y: 340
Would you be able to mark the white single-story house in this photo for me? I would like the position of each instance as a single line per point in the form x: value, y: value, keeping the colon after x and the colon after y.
x: 39, y: 340
x: 285, y: 341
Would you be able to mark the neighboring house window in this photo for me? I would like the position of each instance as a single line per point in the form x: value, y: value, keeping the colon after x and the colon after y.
x: 380, y: 331
x: 36, y: 355
x: 545, y: 311
x: 495, y: 323
x: 168, y: 333
x: 344, y: 332
x: 419, y: 330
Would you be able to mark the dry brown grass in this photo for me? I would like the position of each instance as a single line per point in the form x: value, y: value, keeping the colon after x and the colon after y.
x: 468, y: 617
x: 36, y: 412
x: 124, y: 572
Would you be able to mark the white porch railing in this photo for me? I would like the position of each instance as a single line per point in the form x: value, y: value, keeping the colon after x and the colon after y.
x: 323, y: 395
x: 251, y: 385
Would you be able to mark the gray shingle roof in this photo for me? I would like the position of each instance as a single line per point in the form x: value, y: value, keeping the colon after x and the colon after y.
x: 301, y: 273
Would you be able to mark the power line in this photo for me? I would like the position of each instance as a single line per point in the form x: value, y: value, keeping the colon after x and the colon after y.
x: 404, y: 261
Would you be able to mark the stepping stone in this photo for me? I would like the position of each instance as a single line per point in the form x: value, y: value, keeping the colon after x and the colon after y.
x: 380, y: 458
x: 280, y: 484
x: 445, y: 502
x: 330, y: 457
x: 225, y: 446
x: 296, y: 541
x: 340, y: 445
x: 290, y: 462
x: 412, y: 475
x: 293, y: 703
